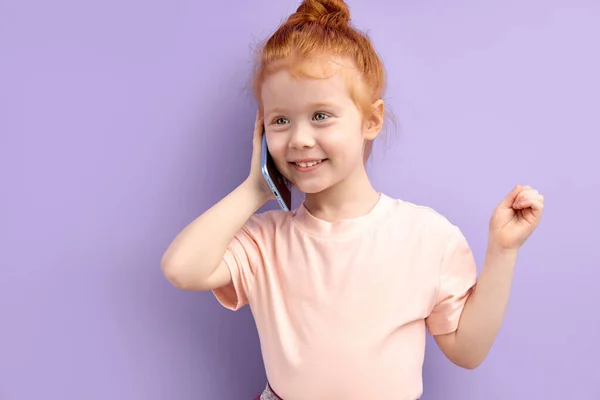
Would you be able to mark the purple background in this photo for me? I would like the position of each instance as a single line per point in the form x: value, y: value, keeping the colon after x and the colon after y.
x: 121, y: 121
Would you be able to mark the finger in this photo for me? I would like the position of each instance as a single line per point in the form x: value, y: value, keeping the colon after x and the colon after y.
x: 535, y: 203
x: 518, y: 193
x: 258, y: 123
x: 533, y: 194
x: 510, y: 198
x: 258, y: 127
x: 529, y: 193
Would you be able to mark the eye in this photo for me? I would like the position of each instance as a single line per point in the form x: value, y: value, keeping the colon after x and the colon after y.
x: 320, y: 116
x: 281, y: 121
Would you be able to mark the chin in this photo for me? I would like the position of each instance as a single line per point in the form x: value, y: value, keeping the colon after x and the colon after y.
x: 310, y: 188
x: 313, y: 187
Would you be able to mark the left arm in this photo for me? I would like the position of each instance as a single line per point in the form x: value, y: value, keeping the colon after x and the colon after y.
x: 511, y: 225
x: 483, y: 313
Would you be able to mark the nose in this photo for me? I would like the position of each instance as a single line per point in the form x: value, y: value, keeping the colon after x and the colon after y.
x: 302, y: 137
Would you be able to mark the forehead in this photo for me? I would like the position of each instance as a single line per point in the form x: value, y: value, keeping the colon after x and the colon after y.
x: 321, y: 80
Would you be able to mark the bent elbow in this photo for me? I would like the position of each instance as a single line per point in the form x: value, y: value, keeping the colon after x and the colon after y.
x: 184, y: 277
x: 469, y: 364
x: 174, y: 273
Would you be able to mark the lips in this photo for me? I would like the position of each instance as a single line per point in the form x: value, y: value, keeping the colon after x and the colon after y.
x: 308, y: 163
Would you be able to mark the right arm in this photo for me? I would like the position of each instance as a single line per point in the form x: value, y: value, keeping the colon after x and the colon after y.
x: 194, y: 259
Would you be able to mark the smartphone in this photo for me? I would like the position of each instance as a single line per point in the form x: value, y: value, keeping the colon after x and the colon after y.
x: 275, y: 180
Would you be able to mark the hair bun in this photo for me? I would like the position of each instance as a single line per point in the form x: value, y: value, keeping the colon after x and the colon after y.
x: 333, y: 13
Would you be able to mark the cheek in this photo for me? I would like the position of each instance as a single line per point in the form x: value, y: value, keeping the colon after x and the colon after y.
x: 277, y: 145
x: 343, y: 144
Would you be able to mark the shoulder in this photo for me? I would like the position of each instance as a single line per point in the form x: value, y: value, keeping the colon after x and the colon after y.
x: 431, y: 232
x: 424, y: 219
x: 267, y: 220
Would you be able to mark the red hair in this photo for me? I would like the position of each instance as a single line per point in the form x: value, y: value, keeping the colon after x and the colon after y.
x: 321, y: 29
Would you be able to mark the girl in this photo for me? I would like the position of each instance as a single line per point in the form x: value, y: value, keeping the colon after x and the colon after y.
x: 343, y: 288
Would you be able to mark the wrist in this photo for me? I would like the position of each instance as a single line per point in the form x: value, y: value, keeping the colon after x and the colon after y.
x: 500, y: 256
x: 256, y: 191
x: 496, y: 246
x: 494, y: 249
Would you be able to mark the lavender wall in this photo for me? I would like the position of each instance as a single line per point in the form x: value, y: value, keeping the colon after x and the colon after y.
x: 120, y: 121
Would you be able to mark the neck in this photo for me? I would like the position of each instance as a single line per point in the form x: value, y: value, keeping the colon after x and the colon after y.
x: 350, y: 198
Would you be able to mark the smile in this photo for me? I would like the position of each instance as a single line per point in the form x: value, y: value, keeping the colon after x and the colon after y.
x: 308, y: 164
x: 305, y: 166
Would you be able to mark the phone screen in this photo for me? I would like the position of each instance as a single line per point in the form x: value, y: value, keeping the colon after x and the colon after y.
x: 275, y: 180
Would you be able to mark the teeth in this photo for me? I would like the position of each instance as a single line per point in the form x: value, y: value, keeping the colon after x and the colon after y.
x: 308, y: 164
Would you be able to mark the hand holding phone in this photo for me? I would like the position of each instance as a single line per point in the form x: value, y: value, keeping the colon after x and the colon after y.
x: 274, y: 179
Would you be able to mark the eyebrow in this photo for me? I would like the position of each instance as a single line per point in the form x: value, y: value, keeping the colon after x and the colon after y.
x: 325, y: 104
x: 321, y: 104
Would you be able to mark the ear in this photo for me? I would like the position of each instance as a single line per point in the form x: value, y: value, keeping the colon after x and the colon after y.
x: 374, y: 122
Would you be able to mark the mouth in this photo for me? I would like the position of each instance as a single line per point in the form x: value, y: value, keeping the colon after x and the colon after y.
x: 305, y: 164
x: 308, y: 165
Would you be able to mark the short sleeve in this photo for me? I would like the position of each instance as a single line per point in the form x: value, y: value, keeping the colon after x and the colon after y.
x: 458, y: 276
x: 243, y: 258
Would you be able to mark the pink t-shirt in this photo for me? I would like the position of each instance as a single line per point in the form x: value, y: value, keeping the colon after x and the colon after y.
x: 342, y: 308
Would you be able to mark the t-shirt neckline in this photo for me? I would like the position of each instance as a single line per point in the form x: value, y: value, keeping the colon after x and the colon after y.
x: 345, y: 227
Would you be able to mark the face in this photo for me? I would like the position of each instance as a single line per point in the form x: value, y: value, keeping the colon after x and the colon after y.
x: 315, y: 132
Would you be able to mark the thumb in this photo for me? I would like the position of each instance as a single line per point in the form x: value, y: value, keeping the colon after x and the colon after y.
x: 510, y: 198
